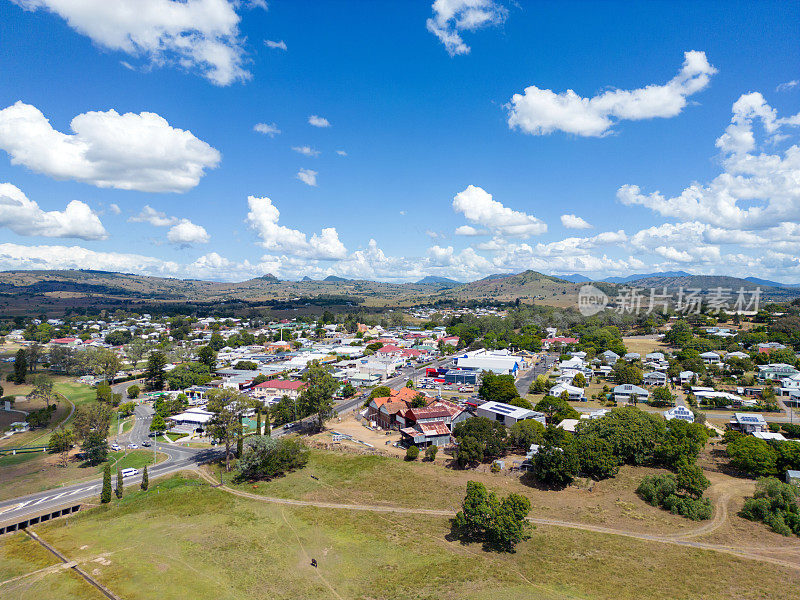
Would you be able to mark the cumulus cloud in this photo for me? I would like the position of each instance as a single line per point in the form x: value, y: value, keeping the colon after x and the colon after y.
x: 478, y: 207
x: 24, y: 217
x: 186, y: 233
x: 198, y: 35
x: 154, y: 217
x: 306, y: 150
x: 129, y: 151
x: 574, y: 222
x: 269, y: 129
x: 114, y: 208
x: 318, y: 121
x: 276, y: 45
x: 451, y: 17
x: 469, y: 230
x: 307, y: 176
x: 182, y: 231
x: 541, y: 111
x: 263, y: 218
x: 755, y: 189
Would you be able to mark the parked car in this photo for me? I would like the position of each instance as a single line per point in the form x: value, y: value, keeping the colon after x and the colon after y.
x: 133, y: 446
x: 146, y: 443
x: 115, y: 447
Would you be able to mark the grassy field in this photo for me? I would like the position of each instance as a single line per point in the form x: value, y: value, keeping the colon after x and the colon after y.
x: 24, y: 474
x: 183, y: 539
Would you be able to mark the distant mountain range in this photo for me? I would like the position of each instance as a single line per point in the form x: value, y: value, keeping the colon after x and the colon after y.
x: 24, y: 291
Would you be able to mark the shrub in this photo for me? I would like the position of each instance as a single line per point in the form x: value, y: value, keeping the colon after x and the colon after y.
x: 133, y: 391
x: 412, y: 453
x: 264, y: 457
x: 430, y: 453
x: 774, y: 504
x: 662, y: 490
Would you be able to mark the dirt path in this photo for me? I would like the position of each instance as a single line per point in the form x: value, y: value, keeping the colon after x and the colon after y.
x: 762, y: 553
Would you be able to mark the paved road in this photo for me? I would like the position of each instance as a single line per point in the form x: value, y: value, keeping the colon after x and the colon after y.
x: 540, y: 368
x: 178, y: 458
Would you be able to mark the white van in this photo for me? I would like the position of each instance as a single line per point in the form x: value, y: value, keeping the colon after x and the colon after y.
x: 129, y: 472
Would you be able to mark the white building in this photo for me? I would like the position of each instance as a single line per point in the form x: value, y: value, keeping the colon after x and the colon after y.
x: 501, y: 362
x: 626, y: 391
x: 508, y: 414
x: 575, y: 393
x: 679, y: 412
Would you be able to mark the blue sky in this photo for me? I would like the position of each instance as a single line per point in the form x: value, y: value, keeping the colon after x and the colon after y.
x: 631, y: 172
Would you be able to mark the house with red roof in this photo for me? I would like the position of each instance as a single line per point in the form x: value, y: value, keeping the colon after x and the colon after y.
x: 279, y: 387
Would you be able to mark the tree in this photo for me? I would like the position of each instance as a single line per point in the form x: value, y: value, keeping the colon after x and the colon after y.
x: 104, y: 394
x: 105, y: 363
x: 105, y: 495
x: 317, y: 397
x: 499, y: 524
x: 95, y: 446
x: 540, y: 385
x: 133, y: 391
x: 34, y: 355
x: 380, y: 391
x: 208, y: 357
x: 489, y: 433
x: 752, y: 455
x: 662, y: 397
x: 267, y: 424
x: 410, y: 384
x: 258, y: 419
x: 521, y: 402
x: 118, y: 490
x: 468, y: 452
x: 90, y: 417
x: 419, y: 401
x: 556, y: 409
x: 265, y: 457
x: 691, y: 480
x: 42, y: 389
x: 158, y: 424
x: 634, y: 434
x: 526, y: 432
x: 497, y: 388
x: 154, y: 375
x: 246, y: 365
x: 118, y: 337
x: 628, y: 374
x: 412, y: 452
x: 596, y: 457
x: 226, y: 405
x: 126, y: 410
x: 20, y: 366
x: 348, y: 390
x: 430, y: 453
x: 188, y: 374
x: 61, y: 442
x: 774, y: 504
x: 135, y: 351
x: 555, y: 466
x: 145, y: 480
x: 579, y: 380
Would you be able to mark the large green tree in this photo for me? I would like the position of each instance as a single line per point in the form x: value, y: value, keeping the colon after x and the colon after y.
x: 500, y: 524
x: 227, y: 406
x: 317, y: 398
x: 154, y: 375
x: 497, y: 388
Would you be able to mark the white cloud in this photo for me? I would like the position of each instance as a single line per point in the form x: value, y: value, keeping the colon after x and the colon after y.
x: 200, y: 35
x: 469, y: 230
x: 341, y: 153
x: 269, y: 129
x: 114, y: 208
x: 276, y: 45
x: 130, y: 151
x: 186, y: 233
x: 24, y: 217
x: 785, y: 87
x: 479, y: 208
x: 755, y: 189
x: 306, y: 150
x: 307, y: 176
x: 541, y: 111
x: 318, y: 121
x: 263, y: 219
x: 574, y: 222
x: 156, y: 218
x: 450, y: 17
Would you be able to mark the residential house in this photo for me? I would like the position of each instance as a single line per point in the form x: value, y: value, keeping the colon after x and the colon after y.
x: 626, y: 392
x: 655, y: 378
x: 748, y: 423
x: 609, y: 357
x: 384, y: 410
x: 686, y: 377
x: 575, y: 393
x: 711, y: 358
x: 278, y: 388
x: 776, y: 371
x: 679, y: 412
